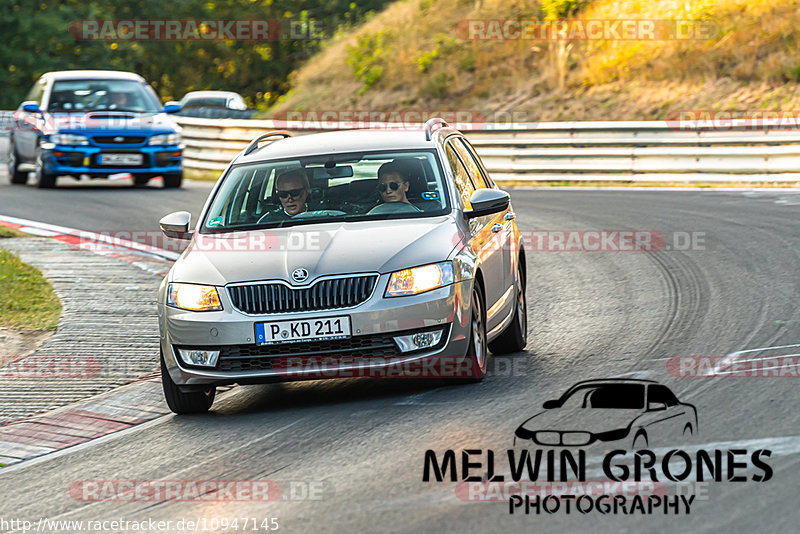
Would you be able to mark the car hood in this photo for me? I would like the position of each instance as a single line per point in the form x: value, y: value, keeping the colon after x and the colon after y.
x: 593, y: 420
x: 106, y: 121
x: 322, y: 249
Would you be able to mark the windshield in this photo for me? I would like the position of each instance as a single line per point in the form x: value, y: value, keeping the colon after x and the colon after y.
x: 609, y: 396
x: 103, y: 95
x: 344, y: 187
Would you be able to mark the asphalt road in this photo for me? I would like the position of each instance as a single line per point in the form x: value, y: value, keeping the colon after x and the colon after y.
x: 359, y: 444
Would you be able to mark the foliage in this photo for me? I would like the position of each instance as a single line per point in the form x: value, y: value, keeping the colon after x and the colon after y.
x: 366, y: 57
x: 37, y: 39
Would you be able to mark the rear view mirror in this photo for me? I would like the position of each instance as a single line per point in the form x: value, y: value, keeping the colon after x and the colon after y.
x: 172, y: 107
x: 176, y: 225
x: 656, y: 406
x: 487, y: 202
x: 549, y: 405
x: 323, y: 173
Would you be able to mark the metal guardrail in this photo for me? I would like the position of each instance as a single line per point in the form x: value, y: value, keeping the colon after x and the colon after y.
x: 590, y: 151
x: 561, y: 151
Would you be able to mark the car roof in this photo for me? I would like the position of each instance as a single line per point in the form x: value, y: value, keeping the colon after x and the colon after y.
x: 342, y: 141
x: 202, y: 94
x: 93, y: 75
x: 600, y: 381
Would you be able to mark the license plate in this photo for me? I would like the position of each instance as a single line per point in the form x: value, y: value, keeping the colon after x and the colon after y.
x: 119, y: 159
x: 297, y: 331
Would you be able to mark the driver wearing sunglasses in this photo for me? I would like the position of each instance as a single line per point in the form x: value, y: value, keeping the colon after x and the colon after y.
x: 291, y: 188
x: 392, y: 183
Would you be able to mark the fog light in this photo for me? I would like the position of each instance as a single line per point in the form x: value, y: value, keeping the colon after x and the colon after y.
x: 206, y: 358
x: 421, y: 340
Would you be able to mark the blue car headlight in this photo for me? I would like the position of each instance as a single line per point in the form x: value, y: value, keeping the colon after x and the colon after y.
x: 69, y: 139
x: 165, y: 139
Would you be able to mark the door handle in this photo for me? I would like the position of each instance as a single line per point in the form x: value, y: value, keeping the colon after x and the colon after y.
x: 510, y: 216
x: 497, y: 227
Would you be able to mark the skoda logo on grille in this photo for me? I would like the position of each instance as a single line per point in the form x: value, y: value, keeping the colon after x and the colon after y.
x: 119, y: 139
x: 299, y: 275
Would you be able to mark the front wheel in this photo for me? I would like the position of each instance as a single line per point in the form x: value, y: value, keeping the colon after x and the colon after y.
x: 185, y: 402
x: 15, y: 175
x: 44, y: 180
x: 477, y: 351
x: 140, y: 180
x: 173, y: 180
x: 515, y: 336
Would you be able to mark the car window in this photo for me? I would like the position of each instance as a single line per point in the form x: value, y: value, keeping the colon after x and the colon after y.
x: 344, y: 187
x: 103, y: 95
x: 479, y: 164
x: 659, y: 393
x: 469, y: 162
x: 607, y: 396
x: 460, y: 176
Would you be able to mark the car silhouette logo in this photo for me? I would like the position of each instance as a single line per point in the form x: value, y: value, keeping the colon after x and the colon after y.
x: 639, y: 413
x: 299, y: 275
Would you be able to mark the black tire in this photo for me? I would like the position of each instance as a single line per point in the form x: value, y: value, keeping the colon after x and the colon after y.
x: 185, y: 402
x: 140, y: 180
x: 44, y: 180
x: 515, y: 336
x: 14, y: 175
x: 173, y: 180
x: 477, y: 351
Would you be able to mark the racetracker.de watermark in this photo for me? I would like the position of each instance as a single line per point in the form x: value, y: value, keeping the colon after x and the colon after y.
x: 175, y: 30
x: 734, y: 366
x: 408, y: 119
x: 584, y: 30
x: 50, y: 366
x: 223, y: 242
x: 598, y: 241
x: 727, y: 120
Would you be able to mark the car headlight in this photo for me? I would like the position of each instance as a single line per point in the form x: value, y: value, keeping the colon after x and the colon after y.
x: 193, y: 297
x: 69, y: 139
x: 420, y: 279
x: 165, y: 139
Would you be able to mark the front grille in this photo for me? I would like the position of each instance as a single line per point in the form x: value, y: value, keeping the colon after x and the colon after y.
x: 327, y: 294
x: 235, y: 358
x: 250, y: 357
x: 118, y: 139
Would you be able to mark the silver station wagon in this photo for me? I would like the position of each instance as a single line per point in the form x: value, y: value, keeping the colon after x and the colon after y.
x: 370, y: 253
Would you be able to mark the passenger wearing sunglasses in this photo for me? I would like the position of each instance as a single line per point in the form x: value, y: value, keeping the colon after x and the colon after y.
x: 291, y: 188
x: 392, y: 187
x: 392, y: 183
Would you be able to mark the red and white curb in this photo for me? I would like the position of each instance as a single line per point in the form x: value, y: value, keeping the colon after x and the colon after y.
x: 100, y: 415
x: 73, y: 236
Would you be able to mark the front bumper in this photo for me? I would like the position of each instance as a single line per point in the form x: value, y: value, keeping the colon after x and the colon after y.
x: 75, y: 160
x: 371, y: 324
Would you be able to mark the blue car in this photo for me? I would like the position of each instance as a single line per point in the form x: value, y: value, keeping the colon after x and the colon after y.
x: 96, y: 124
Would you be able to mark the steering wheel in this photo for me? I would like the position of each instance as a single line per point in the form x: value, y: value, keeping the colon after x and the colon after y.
x: 393, y: 207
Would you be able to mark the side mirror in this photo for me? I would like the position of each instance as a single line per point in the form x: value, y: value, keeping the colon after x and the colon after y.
x: 176, y: 225
x: 31, y: 106
x: 656, y: 406
x: 487, y: 202
x: 549, y: 405
x: 172, y: 107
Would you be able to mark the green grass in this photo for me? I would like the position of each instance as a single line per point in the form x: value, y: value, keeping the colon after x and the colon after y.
x: 6, y: 231
x: 27, y: 300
